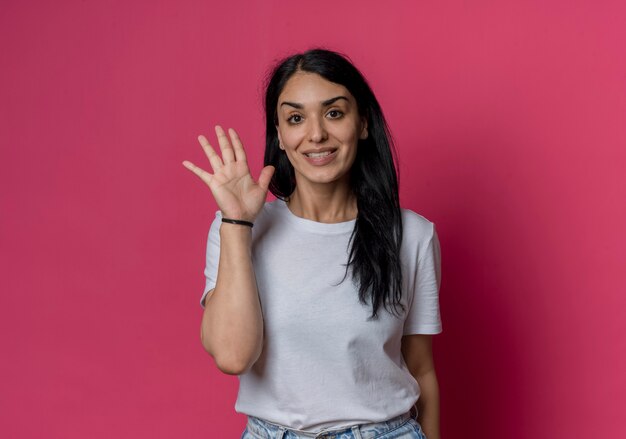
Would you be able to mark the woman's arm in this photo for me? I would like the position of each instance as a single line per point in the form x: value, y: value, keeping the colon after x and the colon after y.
x: 232, y: 323
x: 417, y: 352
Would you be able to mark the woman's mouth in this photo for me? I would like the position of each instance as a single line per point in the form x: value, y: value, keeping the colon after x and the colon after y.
x: 321, y: 158
x: 318, y: 154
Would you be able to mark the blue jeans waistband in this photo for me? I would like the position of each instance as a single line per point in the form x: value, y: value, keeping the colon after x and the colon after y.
x: 263, y: 429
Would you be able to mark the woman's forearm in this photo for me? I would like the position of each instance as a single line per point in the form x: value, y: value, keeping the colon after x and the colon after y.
x: 428, y: 404
x: 232, y: 323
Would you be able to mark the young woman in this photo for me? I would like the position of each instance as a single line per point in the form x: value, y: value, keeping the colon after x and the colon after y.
x: 324, y: 309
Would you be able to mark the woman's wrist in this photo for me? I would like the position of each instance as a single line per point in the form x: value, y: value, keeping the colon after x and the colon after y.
x: 239, y: 222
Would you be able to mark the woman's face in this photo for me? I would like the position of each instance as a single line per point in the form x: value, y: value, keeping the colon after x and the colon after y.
x: 319, y: 128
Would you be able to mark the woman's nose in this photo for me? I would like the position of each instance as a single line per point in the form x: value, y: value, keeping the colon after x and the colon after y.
x: 317, y: 132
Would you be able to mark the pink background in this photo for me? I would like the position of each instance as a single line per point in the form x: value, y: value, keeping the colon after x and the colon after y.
x: 510, y: 123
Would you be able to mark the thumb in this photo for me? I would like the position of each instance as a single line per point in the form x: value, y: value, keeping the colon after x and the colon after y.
x: 266, y: 176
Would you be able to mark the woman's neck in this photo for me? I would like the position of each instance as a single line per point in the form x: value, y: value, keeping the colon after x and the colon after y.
x: 324, y: 204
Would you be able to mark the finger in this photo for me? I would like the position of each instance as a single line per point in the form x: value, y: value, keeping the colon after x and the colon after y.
x: 266, y: 176
x: 204, y: 175
x: 214, y: 158
x: 240, y: 153
x: 228, y: 155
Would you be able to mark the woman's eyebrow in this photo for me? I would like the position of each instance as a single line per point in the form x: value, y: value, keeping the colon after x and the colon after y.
x: 331, y: 100
x: 324, y: 103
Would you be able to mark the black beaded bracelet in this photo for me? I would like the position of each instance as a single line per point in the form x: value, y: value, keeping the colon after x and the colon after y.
x: 235, y: 221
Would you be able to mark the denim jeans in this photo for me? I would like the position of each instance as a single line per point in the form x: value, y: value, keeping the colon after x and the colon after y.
x: 400, y: 427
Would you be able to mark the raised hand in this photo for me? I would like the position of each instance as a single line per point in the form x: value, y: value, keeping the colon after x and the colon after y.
x: 236, y: 193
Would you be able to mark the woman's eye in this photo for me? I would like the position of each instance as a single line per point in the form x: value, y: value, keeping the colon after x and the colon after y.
x: 335, y: 114
x: 292, y: 118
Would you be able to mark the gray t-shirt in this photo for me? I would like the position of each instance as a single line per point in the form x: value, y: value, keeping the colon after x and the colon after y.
x: 324, y: 365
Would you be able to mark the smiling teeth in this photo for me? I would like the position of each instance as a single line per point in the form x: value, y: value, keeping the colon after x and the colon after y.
x: 318, y: 154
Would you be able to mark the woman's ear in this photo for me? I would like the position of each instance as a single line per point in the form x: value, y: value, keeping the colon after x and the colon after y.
x: 364, y: 133
x: 280, y: 140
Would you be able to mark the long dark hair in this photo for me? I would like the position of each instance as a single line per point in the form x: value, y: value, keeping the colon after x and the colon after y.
x: 377, y: 235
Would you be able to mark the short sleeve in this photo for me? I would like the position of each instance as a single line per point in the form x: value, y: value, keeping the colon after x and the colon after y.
x: 424, y: 315
x: 212, y: 256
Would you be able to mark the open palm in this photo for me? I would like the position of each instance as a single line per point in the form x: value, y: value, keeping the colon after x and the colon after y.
x: 236, y: 193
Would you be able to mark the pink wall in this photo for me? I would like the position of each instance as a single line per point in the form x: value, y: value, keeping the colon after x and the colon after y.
x: 509, y: 118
